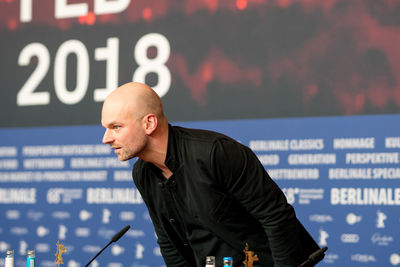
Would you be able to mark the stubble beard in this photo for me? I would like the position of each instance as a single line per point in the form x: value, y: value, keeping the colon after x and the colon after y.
x: 124, y: 155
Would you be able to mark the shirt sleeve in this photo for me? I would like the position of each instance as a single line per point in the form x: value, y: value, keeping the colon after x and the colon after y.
x: 242, y: 176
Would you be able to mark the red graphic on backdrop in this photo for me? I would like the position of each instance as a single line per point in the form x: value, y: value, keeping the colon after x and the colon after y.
x: 349, y: 58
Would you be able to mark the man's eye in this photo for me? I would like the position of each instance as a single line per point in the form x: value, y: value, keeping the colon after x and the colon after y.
x: 116, y: 127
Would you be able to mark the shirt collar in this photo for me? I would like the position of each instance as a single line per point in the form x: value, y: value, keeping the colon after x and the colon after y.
x: 172, y: 158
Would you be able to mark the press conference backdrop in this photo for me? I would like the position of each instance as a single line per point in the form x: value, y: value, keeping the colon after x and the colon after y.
x: 341, y: 175
x: 310, y: 86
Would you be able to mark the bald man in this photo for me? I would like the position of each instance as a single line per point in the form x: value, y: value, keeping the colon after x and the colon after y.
x: 207, y: 194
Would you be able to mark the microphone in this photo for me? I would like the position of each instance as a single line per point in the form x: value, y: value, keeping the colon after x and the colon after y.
x: 115, y: 238
x: 315, y: 257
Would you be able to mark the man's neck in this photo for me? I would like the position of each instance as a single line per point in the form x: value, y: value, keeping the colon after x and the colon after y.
x: 157, y: 152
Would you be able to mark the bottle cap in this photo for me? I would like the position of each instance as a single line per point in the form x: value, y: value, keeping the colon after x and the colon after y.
x: 30, y: 253
x: 9, y: 253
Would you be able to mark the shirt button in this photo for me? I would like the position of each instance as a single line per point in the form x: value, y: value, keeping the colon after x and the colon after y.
x: 161, y: 184
x: 172, y: 220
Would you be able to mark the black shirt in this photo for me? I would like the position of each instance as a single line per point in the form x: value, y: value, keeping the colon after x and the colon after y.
x: 218, y: 200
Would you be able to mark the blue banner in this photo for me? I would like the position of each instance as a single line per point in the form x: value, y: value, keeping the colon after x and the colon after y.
x: 60, y: 184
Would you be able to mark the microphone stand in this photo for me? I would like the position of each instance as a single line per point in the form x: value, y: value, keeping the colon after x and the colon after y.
x: 114, y: 239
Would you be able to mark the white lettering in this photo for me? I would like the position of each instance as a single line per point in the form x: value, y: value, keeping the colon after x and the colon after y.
x: 269, y: 159
x: 108, y: 7
x: 392, y: 142
x: 306, y: 144
x: 294, y: 174
x: 346, y: 143
x: 53, y: 176
x: 306, y: 159
x: 52, y: 163
x: 372, y: 158
x: 25, y: 11
x: 352, y: 173
x: 8, y: 151
x: 269, y: 145
x: 365, y: 196
x: 113, y: 196
x: 8, y: 164
x: 65, y: 150
x: 98, y: 163
x: 64, y: 10
x: 18, y: 195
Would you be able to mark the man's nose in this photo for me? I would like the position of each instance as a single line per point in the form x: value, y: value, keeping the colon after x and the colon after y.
x: 107, y: 137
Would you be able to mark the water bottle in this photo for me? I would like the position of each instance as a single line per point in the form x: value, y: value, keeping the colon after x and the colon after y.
x: 9, y: 258
x: 210, y: 261
x: 30, y: 258
x: 228, y: 261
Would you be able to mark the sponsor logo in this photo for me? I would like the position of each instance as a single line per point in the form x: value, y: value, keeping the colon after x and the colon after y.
x: 135, y: 233
x: 380, y: 219
x: 4, y: 246
x: 42, y: 247
x: 106, y: 216
x: 106, y: 233
x: 364, y: 258
x: 381, y: 240
x: 321, y: 218
x: 19, y: 230
x: 351, y: 218
x: 61, y: 215
x: 82, y: 232
x: 127, y: 216
x: 350, y: 238
x: 62, y: 195
x: 323, y: 236
x: 22, y: 247
x: 117, y: 250
x: 395, y: 259
x: 331, y: 258
x: 157, y: 251
x: 62, y: 231
x: 84, y: 215
x: 73, y: 263
x: 13, y: 214
x: 139, y: 251
x: 35, y: 215
x: 91, y: 249
x: 41, y: 231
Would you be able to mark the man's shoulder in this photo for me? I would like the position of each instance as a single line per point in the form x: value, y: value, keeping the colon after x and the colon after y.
x: 202, y: 135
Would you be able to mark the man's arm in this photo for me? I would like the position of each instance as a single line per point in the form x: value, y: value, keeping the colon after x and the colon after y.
x: 243, y: 177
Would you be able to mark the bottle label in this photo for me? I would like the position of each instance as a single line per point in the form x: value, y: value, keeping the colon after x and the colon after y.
x: 30, y: 262
x: 9, y: 262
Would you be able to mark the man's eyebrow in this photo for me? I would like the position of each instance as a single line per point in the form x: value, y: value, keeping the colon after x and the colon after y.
x: 112, y: 123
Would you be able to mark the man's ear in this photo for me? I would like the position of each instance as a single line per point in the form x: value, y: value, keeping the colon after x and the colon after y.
x: 150, y: 123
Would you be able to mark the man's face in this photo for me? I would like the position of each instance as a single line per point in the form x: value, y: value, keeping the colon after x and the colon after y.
x: 123, y: 132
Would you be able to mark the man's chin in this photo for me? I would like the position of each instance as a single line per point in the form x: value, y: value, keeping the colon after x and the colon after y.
x: 124, y: 158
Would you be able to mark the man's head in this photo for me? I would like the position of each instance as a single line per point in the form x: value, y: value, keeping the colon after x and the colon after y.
x: 132, y: 114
